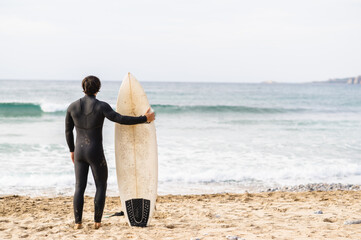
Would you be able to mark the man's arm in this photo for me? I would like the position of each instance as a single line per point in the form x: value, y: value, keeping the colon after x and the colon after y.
x: 122, y: 119
x: 69, y: 126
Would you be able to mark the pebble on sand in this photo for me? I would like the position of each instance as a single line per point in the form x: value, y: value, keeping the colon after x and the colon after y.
x: 352, y: 222
x: 234, y: 238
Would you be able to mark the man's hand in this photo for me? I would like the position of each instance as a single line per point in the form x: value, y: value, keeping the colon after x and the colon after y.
x: 72, y: 156
x: 150, y: 115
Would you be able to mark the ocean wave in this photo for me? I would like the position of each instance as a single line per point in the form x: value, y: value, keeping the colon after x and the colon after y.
x: 220, y: 108
x: 19, y: 109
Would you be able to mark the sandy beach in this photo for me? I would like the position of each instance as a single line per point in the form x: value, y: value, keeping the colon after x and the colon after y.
x: 268, y: 215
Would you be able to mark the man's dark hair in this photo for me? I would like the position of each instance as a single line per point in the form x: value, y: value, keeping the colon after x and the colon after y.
x: 91, y: 85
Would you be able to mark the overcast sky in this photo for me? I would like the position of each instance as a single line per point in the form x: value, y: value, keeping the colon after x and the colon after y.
x: 180, y: 40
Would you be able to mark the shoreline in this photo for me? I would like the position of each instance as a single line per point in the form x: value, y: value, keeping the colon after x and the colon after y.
x: 288, y: 188
x: 264, y: 215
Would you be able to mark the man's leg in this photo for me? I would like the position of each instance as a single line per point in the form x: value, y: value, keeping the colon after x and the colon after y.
x: 81, y: 176
x: 100, y: 174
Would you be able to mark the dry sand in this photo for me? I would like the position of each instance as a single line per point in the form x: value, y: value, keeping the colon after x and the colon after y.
x: 276, y: 215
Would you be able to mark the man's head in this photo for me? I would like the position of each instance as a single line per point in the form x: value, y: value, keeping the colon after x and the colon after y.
x: 91, y: 85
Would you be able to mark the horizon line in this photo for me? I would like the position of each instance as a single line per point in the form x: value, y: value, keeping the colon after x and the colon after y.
x: 112, y: 80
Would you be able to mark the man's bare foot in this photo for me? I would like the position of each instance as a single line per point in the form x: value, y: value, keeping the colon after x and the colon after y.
x: 78, y: 226
x: 97, y: 225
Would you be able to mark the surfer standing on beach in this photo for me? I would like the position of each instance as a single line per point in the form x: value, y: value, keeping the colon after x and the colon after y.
x: 87, y: 115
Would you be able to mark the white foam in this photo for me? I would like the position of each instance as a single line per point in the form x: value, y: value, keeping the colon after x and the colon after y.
x: 53, y: 107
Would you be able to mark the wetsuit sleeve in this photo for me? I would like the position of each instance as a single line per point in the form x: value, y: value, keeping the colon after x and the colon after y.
x: 69, y: 126
x: 121, y: 119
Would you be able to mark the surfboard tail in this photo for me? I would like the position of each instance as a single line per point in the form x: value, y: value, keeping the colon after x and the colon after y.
x: 138, y: 211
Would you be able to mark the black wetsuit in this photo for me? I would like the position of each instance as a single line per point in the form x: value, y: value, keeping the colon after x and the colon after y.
x: 87, y: 115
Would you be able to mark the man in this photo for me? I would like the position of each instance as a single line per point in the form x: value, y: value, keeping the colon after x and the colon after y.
x: 87, y: 115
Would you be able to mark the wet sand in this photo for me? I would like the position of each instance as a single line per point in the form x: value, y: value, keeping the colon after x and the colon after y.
x: 269, y: 215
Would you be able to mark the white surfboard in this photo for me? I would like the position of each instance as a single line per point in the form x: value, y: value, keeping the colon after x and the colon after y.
x: 136, y: 155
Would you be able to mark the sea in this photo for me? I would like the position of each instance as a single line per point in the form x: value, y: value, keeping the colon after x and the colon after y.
x: 212, y: 137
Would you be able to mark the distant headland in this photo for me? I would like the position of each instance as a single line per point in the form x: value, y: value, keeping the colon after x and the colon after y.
x: 349, y: 80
